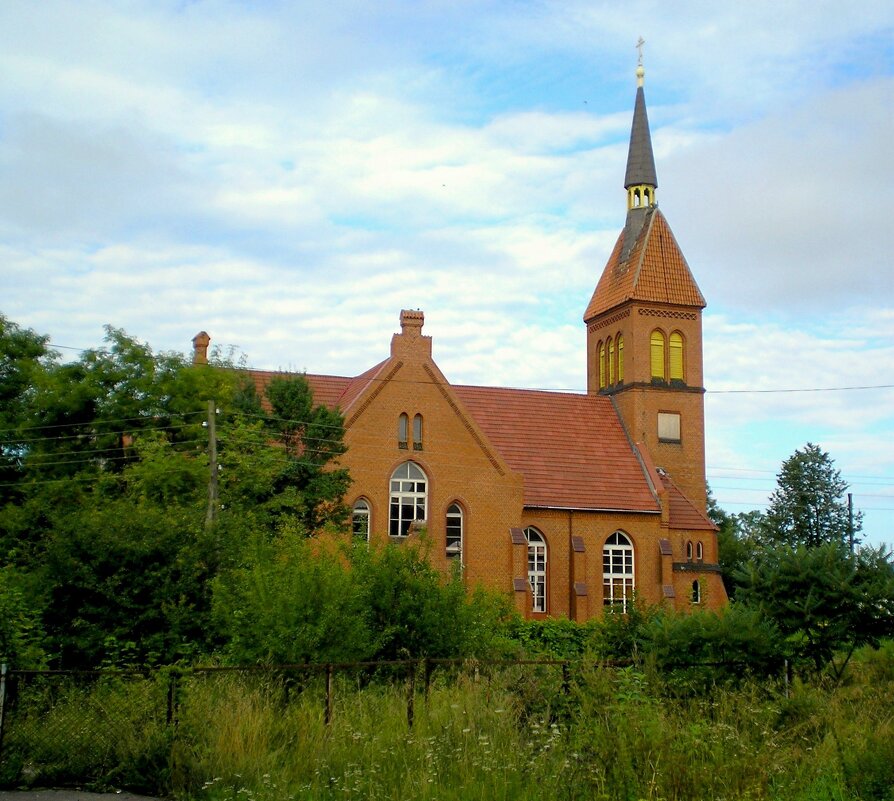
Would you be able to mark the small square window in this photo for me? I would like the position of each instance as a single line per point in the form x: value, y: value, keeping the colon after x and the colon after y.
x: 669, y: 426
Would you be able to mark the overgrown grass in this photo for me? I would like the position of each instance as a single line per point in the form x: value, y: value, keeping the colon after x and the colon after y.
x: 518, y: 733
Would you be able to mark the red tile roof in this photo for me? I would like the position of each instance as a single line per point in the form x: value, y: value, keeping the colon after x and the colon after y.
x: 571, y: 449
x: 330, y: 390
x: 682, y: 513
x: 655, y: 271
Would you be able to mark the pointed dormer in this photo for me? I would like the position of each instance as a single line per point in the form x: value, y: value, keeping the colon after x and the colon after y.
x: 644, y: 332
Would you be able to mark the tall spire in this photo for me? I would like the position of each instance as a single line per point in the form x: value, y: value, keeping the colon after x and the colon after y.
x: 640, y: 180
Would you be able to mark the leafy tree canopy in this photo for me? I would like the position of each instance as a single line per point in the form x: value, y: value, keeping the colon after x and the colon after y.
x: 808, y: 506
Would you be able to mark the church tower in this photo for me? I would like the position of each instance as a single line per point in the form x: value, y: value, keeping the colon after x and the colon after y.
x: 644, y: 327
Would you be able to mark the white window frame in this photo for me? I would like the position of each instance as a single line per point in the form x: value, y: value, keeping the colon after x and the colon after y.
x: 409, y: 499
x: 361, y: 518
x: 455, y: 529
x: 537, y: 564
x: 618, y: 571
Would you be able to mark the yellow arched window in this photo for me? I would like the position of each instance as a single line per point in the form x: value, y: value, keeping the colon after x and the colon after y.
x: 611, y: 361
x: 601, y: 365
x: 676, y: 356
x: 620, y: 340
x: 656, y: 352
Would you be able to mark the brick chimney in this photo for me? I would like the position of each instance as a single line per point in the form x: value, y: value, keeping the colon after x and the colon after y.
x: 200, y: 344
x: 410, y: 339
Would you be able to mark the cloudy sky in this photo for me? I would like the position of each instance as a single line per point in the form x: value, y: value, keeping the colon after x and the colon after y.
x: 289, y: 175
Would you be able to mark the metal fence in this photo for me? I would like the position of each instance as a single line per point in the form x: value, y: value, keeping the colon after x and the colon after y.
x: 114, y: 728
x: 139, y: 729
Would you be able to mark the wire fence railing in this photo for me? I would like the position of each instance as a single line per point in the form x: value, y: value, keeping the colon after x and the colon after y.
x: 141, y: 729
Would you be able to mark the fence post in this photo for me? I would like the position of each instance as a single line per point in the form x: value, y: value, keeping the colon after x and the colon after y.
x: 427, y: 670
x: 327, y: 719
x: 2, y: 703
x: 411, y: 694
x: 566, y: 679
x: 172, y: 699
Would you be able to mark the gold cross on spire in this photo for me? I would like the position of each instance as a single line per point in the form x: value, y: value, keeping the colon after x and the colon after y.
x: 639, y: 46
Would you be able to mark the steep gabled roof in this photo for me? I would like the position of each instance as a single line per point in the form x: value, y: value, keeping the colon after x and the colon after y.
x: 655, y: 271
x: 571, y: 449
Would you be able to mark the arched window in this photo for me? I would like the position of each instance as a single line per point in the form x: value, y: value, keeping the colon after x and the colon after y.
x: 699, y: 552
x: 360, y: 518
x: 656, y: 353
x: 617, y: 571
x: 403, y: 425
x: 409, y: 498
x: 689, y: 551
x: 696, y: 592
x: 620, y: 340
x: 611, y: 361
x: 675, y: 351
x: 454, y: 531
x: 536, y: 568
x: 417, y: 432
x: 601, y: 351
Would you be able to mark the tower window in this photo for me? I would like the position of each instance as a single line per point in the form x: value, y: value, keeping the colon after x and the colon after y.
x: 617, y: 571
x: 454, y: 531
x: 699, y: 552
x: 689, y: 551
x: 536, y: 568
x: 611, y: 361
x: 601, y: 352
x: 668, y: 426
x: 417, y: 432
x: 696, y: 592
x: 620, y: 341
x: 403, y: 425
x: 409, y: 498
x: 360, y: 519
x: 656, y: 354
x: 676, y: 356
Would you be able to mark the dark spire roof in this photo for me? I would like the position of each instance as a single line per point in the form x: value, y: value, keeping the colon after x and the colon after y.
x: 640, y: 162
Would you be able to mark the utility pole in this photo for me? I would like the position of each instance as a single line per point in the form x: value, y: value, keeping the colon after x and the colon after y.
x: 850, y: 520
x: 212, y: 464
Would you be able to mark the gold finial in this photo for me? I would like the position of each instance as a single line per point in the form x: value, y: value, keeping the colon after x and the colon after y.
x: 640, y: 72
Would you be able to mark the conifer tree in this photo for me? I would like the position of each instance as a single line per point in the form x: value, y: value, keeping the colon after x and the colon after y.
x: 809, y: 506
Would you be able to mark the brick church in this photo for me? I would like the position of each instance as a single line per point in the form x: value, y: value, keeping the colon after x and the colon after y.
x: 569, y: 502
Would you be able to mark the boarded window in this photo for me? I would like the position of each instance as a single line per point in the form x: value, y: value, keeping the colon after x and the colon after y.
x: 669, y: 426
x: 601, y: 352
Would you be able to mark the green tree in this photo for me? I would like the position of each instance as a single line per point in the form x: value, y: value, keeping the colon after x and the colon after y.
x: 106, y: 461
x: 825, y: 600
x: 808, y: 506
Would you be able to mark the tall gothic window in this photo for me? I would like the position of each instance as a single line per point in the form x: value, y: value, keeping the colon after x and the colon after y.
x: 656, y: 354
x: 403, y: 430
x: 417, y: 432
x: 611, y: 361
x: 620, y: 341
x: 617, y: 571
x: 536, y: 568
x: 360, y: 516
x: 675, y: 351
x: 601, y: 352
x: 409, y: 498
x: 454, y: 531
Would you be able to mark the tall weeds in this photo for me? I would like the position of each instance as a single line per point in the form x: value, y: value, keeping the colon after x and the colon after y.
x: 513, y: 733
